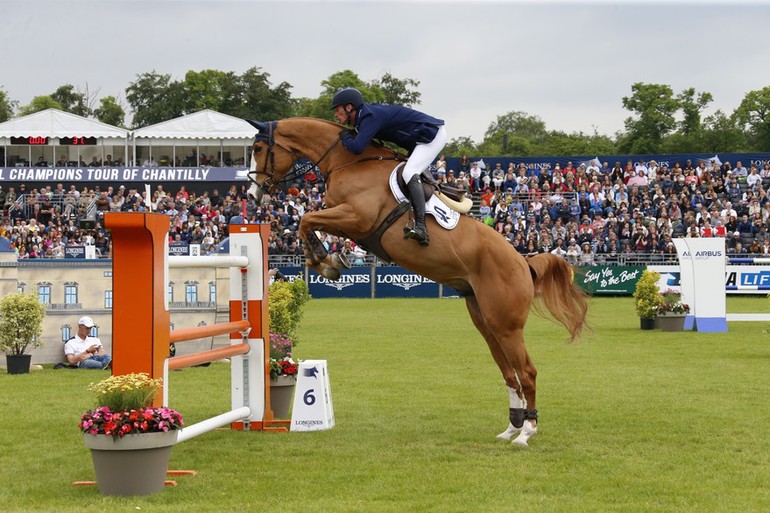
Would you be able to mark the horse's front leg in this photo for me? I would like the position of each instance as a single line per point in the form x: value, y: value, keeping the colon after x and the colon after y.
x: 339, y: 220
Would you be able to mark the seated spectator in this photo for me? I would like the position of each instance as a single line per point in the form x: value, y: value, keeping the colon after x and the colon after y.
x: 85, y: 351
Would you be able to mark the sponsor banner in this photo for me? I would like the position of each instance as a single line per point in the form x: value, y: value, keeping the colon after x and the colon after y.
x: 735, y: 276
x: 122, y: 174
x: 398, y: 282
x: 354, y: 282
x: 74, y: 251
x: 178, y: 249
x: 608, y: 279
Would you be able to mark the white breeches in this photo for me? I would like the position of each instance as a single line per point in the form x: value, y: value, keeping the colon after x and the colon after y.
x: 423, y: 155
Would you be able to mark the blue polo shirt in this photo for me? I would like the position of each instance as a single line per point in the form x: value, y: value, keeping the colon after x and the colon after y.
x: 393, y: 123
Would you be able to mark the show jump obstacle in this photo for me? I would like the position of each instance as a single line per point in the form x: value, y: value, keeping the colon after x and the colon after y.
x: 702, y: 265
x: 141, y: 320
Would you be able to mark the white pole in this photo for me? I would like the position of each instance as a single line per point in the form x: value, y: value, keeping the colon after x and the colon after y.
x: 213, y: 423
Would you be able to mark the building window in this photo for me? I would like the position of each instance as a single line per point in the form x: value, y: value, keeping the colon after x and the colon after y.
x: 170, y: 292
x: 107, y: 299
x: 20, y: 287
x: 70, y: 294
x: 94, y: 332
x: 191, y: 292
x: 212, y: 292
x: 66, y: 332
x: 44, y: 293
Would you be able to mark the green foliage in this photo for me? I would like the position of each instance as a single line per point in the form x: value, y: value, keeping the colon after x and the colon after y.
x: 286, y: 301
x: 655, y: 107
x: 72, y: 101
x: 39, y: 103
x: 647, y: 297
x: 753, y: 115
x: 7, y: 106
x: 21, y: 323
x: 110, y: 112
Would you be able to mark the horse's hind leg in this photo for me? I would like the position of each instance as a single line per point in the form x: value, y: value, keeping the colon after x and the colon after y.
x: 517, y: 369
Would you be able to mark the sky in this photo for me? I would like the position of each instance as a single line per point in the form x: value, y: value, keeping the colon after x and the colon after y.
x: 570, y: 63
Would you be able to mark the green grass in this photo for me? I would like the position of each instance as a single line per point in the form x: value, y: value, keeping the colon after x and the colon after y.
x: 629, y: 421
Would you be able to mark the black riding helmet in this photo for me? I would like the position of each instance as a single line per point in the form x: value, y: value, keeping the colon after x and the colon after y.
x: 348, y: 95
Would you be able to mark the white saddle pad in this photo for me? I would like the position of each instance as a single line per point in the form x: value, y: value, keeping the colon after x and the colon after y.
x: 444, y: 215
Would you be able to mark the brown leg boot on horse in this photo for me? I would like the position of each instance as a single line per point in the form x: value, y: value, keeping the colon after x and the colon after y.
x: 419, y: 231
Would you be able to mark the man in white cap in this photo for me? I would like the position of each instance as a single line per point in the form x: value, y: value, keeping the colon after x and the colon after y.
x: 85, y: 351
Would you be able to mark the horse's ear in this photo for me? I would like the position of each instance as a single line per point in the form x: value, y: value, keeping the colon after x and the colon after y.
x: 259, y: 125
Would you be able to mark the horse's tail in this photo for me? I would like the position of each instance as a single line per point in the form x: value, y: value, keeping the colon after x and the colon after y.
x: 556, y: 289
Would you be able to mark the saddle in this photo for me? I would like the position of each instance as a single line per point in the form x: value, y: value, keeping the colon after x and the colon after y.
x: 431, y: 186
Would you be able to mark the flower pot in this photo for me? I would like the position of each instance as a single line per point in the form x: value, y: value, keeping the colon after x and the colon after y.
x: 646, y: 324
x: 281, y: 391
x: 671, y: 322
x: 18, y: 363
x: 133, y: 465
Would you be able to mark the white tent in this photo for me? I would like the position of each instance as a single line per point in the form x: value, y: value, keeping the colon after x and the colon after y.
x: 57, y: 123
x: 205, y: 124
x: 207, y: 131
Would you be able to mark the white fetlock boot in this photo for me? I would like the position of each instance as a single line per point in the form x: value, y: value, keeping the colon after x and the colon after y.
x: 515, y: 402
x: 509, y: 433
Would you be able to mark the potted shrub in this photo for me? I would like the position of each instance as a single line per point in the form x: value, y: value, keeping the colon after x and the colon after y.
x: 130, y: 441
x: 671, y: 312
x: 21, y: 328
x: 647, y: 299
x: 286, y: 300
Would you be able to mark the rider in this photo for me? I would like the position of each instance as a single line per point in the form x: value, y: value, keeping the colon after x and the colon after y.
x: 424, y: 136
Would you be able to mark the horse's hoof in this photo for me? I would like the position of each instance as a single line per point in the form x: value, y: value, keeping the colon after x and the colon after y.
x: 339, y: 261
x: 509, y: 433
x: 332, y: 274
x: 527, y: 431
x: 520, y: 443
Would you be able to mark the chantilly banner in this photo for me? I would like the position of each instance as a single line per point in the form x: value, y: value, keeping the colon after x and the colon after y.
x: 121, y: 174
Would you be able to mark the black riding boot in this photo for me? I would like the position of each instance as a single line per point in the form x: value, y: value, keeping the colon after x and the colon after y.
x: 417, y: 196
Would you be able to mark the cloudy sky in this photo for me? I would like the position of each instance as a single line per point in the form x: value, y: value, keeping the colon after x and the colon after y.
x: 568, y: 62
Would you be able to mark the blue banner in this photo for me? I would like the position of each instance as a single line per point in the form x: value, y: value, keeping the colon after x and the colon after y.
x: 122, y: 174
x: 398, y: 282
x: 537, y: 163
x: 355, y: 282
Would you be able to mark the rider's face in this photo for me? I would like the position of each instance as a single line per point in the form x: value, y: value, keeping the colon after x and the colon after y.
x: 341, y: 113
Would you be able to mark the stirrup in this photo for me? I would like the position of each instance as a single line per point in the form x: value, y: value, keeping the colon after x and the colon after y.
x: 421, y: 237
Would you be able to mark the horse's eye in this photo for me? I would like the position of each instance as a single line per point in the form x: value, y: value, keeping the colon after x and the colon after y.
x: 257, y: 149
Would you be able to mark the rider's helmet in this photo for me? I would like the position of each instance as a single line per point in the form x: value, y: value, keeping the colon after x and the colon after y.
x: 348, y: 95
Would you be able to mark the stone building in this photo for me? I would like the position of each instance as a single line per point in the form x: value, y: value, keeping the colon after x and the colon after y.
x: 71, y: 288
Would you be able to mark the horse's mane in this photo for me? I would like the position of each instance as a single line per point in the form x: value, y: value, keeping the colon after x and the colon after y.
x: 335, y: 128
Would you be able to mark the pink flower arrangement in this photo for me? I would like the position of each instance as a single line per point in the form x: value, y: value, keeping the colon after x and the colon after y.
x: 103, y: 421
x: 125, y: 407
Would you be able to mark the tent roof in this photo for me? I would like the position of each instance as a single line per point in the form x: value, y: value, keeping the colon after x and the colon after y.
x: 57, y: 123
x: 204, y: 124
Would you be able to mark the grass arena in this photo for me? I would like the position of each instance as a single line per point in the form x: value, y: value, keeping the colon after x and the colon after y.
x: 630, y: 420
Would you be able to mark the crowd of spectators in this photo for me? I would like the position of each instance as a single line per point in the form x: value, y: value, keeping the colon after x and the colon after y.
x: 589, y: 213
x: 597, y: 211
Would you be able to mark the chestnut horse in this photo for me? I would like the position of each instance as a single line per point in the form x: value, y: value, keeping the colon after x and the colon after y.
x: 498, y: 284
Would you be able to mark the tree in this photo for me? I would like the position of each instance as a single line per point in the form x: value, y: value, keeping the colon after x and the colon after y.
x: 753, y: 116
x: 110, y: 112
x: 721, y: 134
x: 72, y: 101
x: 576, y: 143
x: 7, y: 106
x: 38, y: 104
x: 154, y: 98
x: 396, y: 91
x: 655, y: 107
x: 261, y: 101
x: 458, y: 146
x: 692, y: 107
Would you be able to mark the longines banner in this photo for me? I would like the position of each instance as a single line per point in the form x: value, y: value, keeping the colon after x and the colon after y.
x: 361, y: 282
x: 121, y: 174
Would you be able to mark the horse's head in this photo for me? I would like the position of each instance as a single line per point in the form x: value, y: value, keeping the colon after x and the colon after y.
x: 270, y: 161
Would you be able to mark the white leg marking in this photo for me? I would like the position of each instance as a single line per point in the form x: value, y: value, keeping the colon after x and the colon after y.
x: 527, y: 430
x: 515, y: 402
